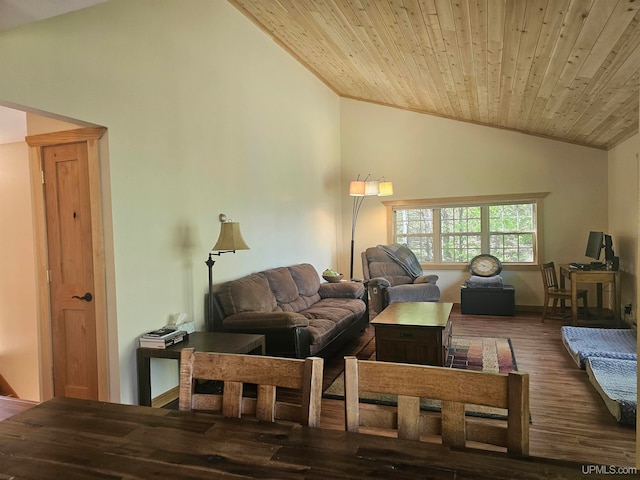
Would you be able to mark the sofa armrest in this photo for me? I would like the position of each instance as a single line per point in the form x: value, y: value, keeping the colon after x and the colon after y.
x: 264, y: 321
x: 341, y: 290
x: 426, y: 279
x: 379, y: 282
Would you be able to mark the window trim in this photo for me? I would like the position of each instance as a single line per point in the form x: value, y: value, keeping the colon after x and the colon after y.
x: 477, y: 200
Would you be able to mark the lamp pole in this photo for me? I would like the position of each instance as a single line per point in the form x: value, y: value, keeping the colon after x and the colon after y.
x: 357, y: 202
x: 210, y: 262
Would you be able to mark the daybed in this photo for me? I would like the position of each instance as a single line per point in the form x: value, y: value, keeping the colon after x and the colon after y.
x: 610, y: 358
x: 298, y: 315
x: 616, y: 382
x: 582, y: 343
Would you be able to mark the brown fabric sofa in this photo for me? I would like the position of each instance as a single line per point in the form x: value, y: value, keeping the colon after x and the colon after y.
x: 298, y: 315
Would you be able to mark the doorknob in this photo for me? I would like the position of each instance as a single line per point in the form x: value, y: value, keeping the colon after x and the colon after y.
x: 87, y: 297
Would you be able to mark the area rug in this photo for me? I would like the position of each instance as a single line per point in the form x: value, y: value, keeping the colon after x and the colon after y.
x: 483, y: 354
x: 486, y: 354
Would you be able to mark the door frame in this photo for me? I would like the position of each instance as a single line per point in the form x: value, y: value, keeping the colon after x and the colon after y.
x: 91, y: 137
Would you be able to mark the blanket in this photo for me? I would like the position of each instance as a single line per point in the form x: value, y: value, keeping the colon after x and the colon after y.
x: 583, y: 343
x: 615, y: 381
x: 484, y: 282
x: 403, y: 256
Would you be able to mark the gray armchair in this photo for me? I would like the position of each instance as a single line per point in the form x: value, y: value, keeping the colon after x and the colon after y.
x: 388, y: 282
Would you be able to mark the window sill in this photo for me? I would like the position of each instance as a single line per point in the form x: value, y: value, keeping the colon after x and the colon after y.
x: 465, y: 266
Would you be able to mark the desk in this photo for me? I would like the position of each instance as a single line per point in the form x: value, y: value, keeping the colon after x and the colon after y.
x: 576, y: 276
x: 81, y: 439
x: 202, y: 342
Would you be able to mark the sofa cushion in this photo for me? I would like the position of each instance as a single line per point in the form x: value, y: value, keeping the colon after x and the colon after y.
x: 339, y: 310
x: 423, y: 292
x: 354, y: 307
x: 387, y: 269
x: 247, y: 294
x: 251, y: 320
x: 300, y: 303
x: 282, y: 284
x: 321, y: 331
x: 341, y: 290
x: 381, y: 265
x: 306, y: 279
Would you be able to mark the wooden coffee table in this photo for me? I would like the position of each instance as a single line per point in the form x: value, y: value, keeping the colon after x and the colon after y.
x: 413, y: 332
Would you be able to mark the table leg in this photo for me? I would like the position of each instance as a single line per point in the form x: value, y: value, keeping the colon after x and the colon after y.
x: 144, y: 379
x: 563, y: 304
x: 574, y: 303
x: 617, y: 298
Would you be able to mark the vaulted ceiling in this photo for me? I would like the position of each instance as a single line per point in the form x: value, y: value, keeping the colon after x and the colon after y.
x: 564, y: 69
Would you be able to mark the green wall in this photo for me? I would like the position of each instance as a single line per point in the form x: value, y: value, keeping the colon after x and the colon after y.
x: 205, y: 115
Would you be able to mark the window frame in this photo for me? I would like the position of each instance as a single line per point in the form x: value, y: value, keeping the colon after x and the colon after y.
x: 480, y: 201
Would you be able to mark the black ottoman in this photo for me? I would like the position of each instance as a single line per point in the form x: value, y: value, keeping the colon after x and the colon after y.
x: 488, y: 301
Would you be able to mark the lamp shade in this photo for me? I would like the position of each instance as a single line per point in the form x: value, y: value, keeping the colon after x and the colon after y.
x: 385, y: 189
x: 371, y: 188
x: 357, y: 188
x: 230, y: 238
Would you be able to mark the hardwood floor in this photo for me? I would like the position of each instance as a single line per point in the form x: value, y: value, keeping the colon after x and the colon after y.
x: 11, y: 406
x: 569, y: 418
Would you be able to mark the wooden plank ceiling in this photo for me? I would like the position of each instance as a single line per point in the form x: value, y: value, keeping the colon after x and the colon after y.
x: 565, y: 69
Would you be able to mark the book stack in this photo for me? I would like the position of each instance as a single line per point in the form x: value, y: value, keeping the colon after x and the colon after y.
x: 162, y: 338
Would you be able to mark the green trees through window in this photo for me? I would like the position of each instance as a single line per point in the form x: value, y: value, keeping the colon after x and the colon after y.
x: 457, y: 233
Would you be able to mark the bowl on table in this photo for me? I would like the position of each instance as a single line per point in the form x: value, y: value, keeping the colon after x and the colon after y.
x: 333, y: 278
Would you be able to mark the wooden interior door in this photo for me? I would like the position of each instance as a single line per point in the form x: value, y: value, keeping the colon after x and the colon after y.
x: 71, y: 276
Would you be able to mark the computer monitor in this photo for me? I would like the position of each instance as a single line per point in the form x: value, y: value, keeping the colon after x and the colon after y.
x: 608, y: 248
x: 595, y: 244
x: 609, y: 254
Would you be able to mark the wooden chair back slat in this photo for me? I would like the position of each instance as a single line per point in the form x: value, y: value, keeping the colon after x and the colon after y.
x: 549, y: 278
x: 453, y: 424
x: 455, y: 389
x: 268, y: 373
x: 266, y: 405
x: 232, y: 399
x: 409, y: 417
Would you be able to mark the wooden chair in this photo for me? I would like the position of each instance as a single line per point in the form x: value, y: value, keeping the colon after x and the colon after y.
x: 268, y: 373
x: 552, y: 291
x: 454, y: 388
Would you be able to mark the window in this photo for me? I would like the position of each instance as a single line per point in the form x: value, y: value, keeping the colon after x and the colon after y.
x: 453, y: 231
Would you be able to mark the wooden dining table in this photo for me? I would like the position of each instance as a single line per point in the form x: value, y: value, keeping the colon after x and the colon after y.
x: 79, y: 439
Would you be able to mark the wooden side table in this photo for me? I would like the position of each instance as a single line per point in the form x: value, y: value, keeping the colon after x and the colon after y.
x: 202, y: 342
x: 413, y: 332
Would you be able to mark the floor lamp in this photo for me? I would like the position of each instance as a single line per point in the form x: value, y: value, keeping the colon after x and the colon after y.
x: 229, y: 240
x: 359, y: 189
